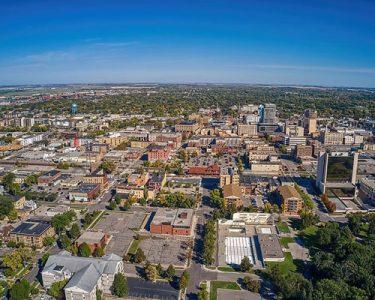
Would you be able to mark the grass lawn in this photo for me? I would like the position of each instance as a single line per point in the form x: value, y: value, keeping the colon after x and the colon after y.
x: 283, y: 227
x: 287, y: 265
x: 286, y: 240
x: 308, y: 236
x: 96, y: 220
x: 228, y: 269
x: 221, y: 285
x: 133, y: 247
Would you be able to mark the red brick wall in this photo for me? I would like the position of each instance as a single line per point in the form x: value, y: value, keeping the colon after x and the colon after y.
x: 181, y: 231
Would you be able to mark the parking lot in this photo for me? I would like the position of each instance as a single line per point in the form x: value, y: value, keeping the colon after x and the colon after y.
x: 142, y: 289
x: 120, y: 226
x: 166, y: 250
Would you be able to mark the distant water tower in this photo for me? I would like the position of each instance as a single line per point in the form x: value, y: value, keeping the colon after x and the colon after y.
x: 74, y: 108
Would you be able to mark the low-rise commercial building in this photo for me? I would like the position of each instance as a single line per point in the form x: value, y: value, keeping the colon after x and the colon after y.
x: 48, y: 178
x: 85, y: 192
x: 266, y: 167
x: 172, y: 221
x: 270, y: 247
x: 97, y: 177
x: 187, y: 127
x: 93, y: 239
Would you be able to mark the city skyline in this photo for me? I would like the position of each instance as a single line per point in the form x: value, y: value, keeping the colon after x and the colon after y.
x: 292, y: 43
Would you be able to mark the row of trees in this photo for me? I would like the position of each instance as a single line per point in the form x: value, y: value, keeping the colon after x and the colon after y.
x: 209, y: 242
x: 177, y: 199
x: 307, y: 202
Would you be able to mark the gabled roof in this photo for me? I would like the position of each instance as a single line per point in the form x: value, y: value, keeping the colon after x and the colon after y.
x: 86, y: 279
x: 86, y: 270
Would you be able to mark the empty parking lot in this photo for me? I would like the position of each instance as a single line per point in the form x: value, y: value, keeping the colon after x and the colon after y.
x: 121, y: 227
x: 166, y: 250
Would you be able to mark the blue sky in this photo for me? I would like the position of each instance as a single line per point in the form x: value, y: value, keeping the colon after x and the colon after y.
x: 330, y: 42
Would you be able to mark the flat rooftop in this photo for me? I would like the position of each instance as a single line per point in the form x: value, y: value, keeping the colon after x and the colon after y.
x: 236, y: 248
x: 270, y: 246
x: 90, y: 237
x: 182, y: 217
x: 85, y: 188
x: 31, y: 227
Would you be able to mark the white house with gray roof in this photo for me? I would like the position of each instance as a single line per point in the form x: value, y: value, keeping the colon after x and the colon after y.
x: 84, y: 274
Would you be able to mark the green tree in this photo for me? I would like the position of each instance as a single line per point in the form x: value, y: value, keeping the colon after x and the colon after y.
x: 170, y: 272
x: 20, y: 290
x: 84, y: 250
x: 6, y: 206
x: 253, y: 285
x: 139, y: 256
x: 13, y: 215
x: 108, y: 167
x: 245, y: 265
x: 61, y: 221
x: 48, y: 241
x: 160, y: 270
x: 118, y: 200
x: 73, y: 249
x: 120, y: 285
x: 203, y: 295
x: 13, y: 260
x: 112, y: 205
x: 216, y: 199
x: 74, y: 231
x: 99, y: 294
x: 184, y: 280
x: 44, y: 259
x: 63, y: 165
x: 64, y: 241
x: 98, y: 252
x: 151, y: 272
x: 8, y: 180
x: 56, y: 289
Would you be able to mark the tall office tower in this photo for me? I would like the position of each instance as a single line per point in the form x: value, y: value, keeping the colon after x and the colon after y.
x: 74, y: 108
x: 267, y: 113
x: 337, y: 173
x: 309, y: 121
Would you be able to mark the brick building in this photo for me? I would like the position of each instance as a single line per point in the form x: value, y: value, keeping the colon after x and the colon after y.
x: 291, y: 200
x: 212, y: 170
x: 158, y: 152
x: 97, y: 177
x: 93, y: 239
x: 85, y: 192
x: 172, y: 221
x: 49, y: 177
x: 32, y: 233
x: 232, y: 194
x: 303, y: 151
